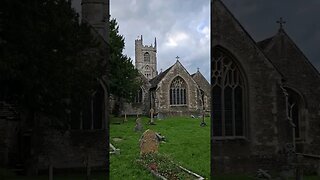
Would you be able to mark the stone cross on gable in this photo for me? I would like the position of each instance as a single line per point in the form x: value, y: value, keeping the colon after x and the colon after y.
x: 281, y: 22
x: 198, y: 69
x: 177, y: 58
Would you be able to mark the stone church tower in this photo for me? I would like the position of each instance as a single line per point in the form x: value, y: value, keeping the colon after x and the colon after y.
x: 146, y: 58
x: 96, y: 13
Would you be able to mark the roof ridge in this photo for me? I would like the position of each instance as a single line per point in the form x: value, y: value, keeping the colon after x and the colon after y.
x: 300, y: 51
x: 248, y: 35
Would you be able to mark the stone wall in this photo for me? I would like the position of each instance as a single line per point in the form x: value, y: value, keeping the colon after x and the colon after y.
x: 9, y: 131
x: 138, y: 108
x: 162, y: 92
x: 71, y: 149
x: 266, y: 124
x: 205, y: 86
x: 302, y: 78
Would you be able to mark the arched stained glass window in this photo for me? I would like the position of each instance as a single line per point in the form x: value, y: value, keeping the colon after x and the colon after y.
x: 178, y: 92
x: 228, y: 96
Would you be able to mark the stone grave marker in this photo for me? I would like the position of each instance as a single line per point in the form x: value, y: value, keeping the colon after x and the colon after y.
x: 149, y: 142
x: 138, y: 126
x: 151, y: 116
x: 125, y: 117
x: 114, y: 150
x: 116, y: 139
x: 160, y: 137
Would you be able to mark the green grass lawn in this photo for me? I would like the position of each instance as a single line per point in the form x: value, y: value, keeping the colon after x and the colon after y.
x: 187, y: 144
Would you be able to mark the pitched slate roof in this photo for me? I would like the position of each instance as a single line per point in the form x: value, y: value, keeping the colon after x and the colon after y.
x: 264, y: 43
x: 290, y: 50
x: 154, y: 82
x: 201, y: 81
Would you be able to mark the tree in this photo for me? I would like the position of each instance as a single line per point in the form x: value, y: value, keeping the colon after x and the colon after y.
x: 123, y: 77
x: 49, y: 64
x: 48, y: 60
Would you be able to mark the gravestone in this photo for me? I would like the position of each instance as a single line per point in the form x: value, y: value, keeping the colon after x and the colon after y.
x: 116, y: 139
x: 151, y: 116
x: 149, y: 142
x: 138, y: 126
x: 262, y: 174
x: 160, y: 137
x: 202, y: 124
x: 125, y: 117
x: 114, y: 150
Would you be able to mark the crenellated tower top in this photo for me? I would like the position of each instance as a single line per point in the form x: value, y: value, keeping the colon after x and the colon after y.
x: 145, y: 58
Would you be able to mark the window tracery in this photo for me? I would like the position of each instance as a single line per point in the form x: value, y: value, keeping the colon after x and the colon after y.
x: 178, y: 92
x: 228, y: 97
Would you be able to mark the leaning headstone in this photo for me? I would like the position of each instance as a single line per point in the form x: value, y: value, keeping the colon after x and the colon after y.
x: 160, y: 137
x: 138, y: 126
x: 149, y: 142
x: 114, y: 150
x: 262, y: 174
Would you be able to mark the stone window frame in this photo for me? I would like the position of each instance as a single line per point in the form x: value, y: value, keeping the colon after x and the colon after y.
x: 91, y: 121
x: 147, y: 74
x: 244, y: 97
x: 139, y: 96
x: 178, y: 88
x: 298, y: 97
x: 146, y: 57
x: 148, y: 71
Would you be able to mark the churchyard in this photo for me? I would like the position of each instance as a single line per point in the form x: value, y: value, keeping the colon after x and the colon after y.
x: 186, y: 144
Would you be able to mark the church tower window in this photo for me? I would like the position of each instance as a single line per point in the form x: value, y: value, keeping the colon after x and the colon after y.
x: 178, y: 92
x: 146, y: 57
x: 228, y: 96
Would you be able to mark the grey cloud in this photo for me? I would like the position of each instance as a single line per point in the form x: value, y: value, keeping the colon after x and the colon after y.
x: 155, y: 18
x: 165, y: 19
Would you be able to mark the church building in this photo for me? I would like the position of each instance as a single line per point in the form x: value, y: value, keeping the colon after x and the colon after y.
x: 172, y: 92
x: 265, y: 101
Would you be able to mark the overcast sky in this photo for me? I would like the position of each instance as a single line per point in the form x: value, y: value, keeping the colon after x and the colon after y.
x: 182, y: 26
